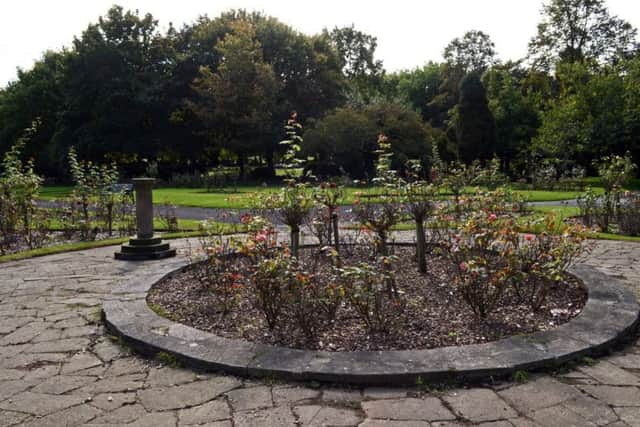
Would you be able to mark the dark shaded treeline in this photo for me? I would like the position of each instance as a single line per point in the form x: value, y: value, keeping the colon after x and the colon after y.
x: 218, y: 91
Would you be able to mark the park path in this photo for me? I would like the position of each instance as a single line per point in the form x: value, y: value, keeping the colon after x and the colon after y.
x: 59, y: 368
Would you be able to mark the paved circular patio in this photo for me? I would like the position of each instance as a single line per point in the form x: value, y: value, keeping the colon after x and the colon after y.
x: 58, y: 368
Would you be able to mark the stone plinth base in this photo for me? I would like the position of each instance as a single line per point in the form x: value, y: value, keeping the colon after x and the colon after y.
x: 140, y: 249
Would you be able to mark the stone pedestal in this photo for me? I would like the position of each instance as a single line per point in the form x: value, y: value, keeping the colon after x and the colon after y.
x: 145, y: 245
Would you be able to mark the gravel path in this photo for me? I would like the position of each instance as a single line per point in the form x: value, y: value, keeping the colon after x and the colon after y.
x: 58, y: 368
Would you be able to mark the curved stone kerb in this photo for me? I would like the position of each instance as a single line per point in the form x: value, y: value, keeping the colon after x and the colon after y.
x: 610, y: 314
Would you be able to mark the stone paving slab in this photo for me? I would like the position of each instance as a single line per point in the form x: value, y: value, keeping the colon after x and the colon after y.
x: 105, y: 384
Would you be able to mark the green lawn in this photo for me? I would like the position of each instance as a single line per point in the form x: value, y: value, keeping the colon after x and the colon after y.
x: 242, y: 198
x: 245, y: 196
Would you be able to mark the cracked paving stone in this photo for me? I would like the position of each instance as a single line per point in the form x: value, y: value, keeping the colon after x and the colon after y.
x: 559, y: 416
x: 501, y: 423
x: 289, y: 394
x: 72, y: 322
x: 158, y: 419
x: 338, y: 395
x: 43, y: 372
x: 127, y: 366
x: 123, y: 415
x: 61, y: 346
x: 375, y: 393
x: 74, y: 416
x: 80, y: 331
x: 25, y: 333
x: 177, y: 397
x: 273, y: 417
x: 8, y: 418
x: 11, y: 374
x: 389, y: 423
x: 13, y: 387
x: 216, y: 424
x: 318, y: 416
x: 427, y: 409
x: 79, y: 362
x: 537, y: 394
x: 614, y: 396
x: 97, y: 371
x: 163, y: 377
x: 113, y: 385
x: 591, y: 409
x: 23, y: 360
x: 629, y: 415
x: 39, y: 404
x: 8, y: 325
x: 478, y: 405
x: 626, y: 361
x: 244, y: 399
x: 108, y: 351
x: 111, y: 401
x: 62, y: 383
x: 216, y: 410
x: 609, y: 374
x: 48, y: 335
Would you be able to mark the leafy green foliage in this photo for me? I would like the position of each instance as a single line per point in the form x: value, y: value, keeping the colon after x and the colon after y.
x: 368, y: 288
x: 475, y: 52
x: 473, y: 122
x: 580, y: 30
x: 19, y: 187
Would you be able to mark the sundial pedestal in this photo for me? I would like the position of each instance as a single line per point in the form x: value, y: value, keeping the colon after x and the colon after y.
x: 146, y: 245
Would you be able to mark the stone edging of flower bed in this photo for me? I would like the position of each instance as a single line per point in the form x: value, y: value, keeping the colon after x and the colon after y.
x: 609, y: 316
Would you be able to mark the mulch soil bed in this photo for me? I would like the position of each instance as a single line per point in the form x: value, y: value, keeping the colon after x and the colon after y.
x: 435, y: 315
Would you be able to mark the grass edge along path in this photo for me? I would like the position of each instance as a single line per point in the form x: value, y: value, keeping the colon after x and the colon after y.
x: 80, y: 246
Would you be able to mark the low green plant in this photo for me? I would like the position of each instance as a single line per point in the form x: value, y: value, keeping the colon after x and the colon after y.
x: 520, y: 376
x: 168, y: 359
x: 370, y: 289
x: 418, y: 198
x: 382, y: 216
x: 480, y: 250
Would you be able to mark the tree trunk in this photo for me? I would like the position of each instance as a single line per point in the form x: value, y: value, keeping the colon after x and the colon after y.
x: 336, y: 235
x: 243, y: 167
x: 295, y: 241
x: 382, y: 237
x: 421, y: 246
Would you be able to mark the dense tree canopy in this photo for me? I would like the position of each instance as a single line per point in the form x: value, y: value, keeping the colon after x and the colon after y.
x: 579, y: 30
x: 474, y: 52
x: 218, y: 91
x: 345, y: 140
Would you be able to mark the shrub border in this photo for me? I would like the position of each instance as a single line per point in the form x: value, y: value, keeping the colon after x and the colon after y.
x: 609, y: 316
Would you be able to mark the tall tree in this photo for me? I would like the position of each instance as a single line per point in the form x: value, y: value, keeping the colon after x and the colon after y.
x: 473, y: 122
x: 474, y: 52
x: 307, y: 68
x: 516, y: 115
x: 117, y: 71
x: 419, y: 86
x: 357, y: 54
x: 37, y: 95
x: 236, y: 102
x: 579, y: 30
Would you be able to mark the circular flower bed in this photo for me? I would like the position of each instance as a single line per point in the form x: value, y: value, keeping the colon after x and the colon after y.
x: 363, y: 305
